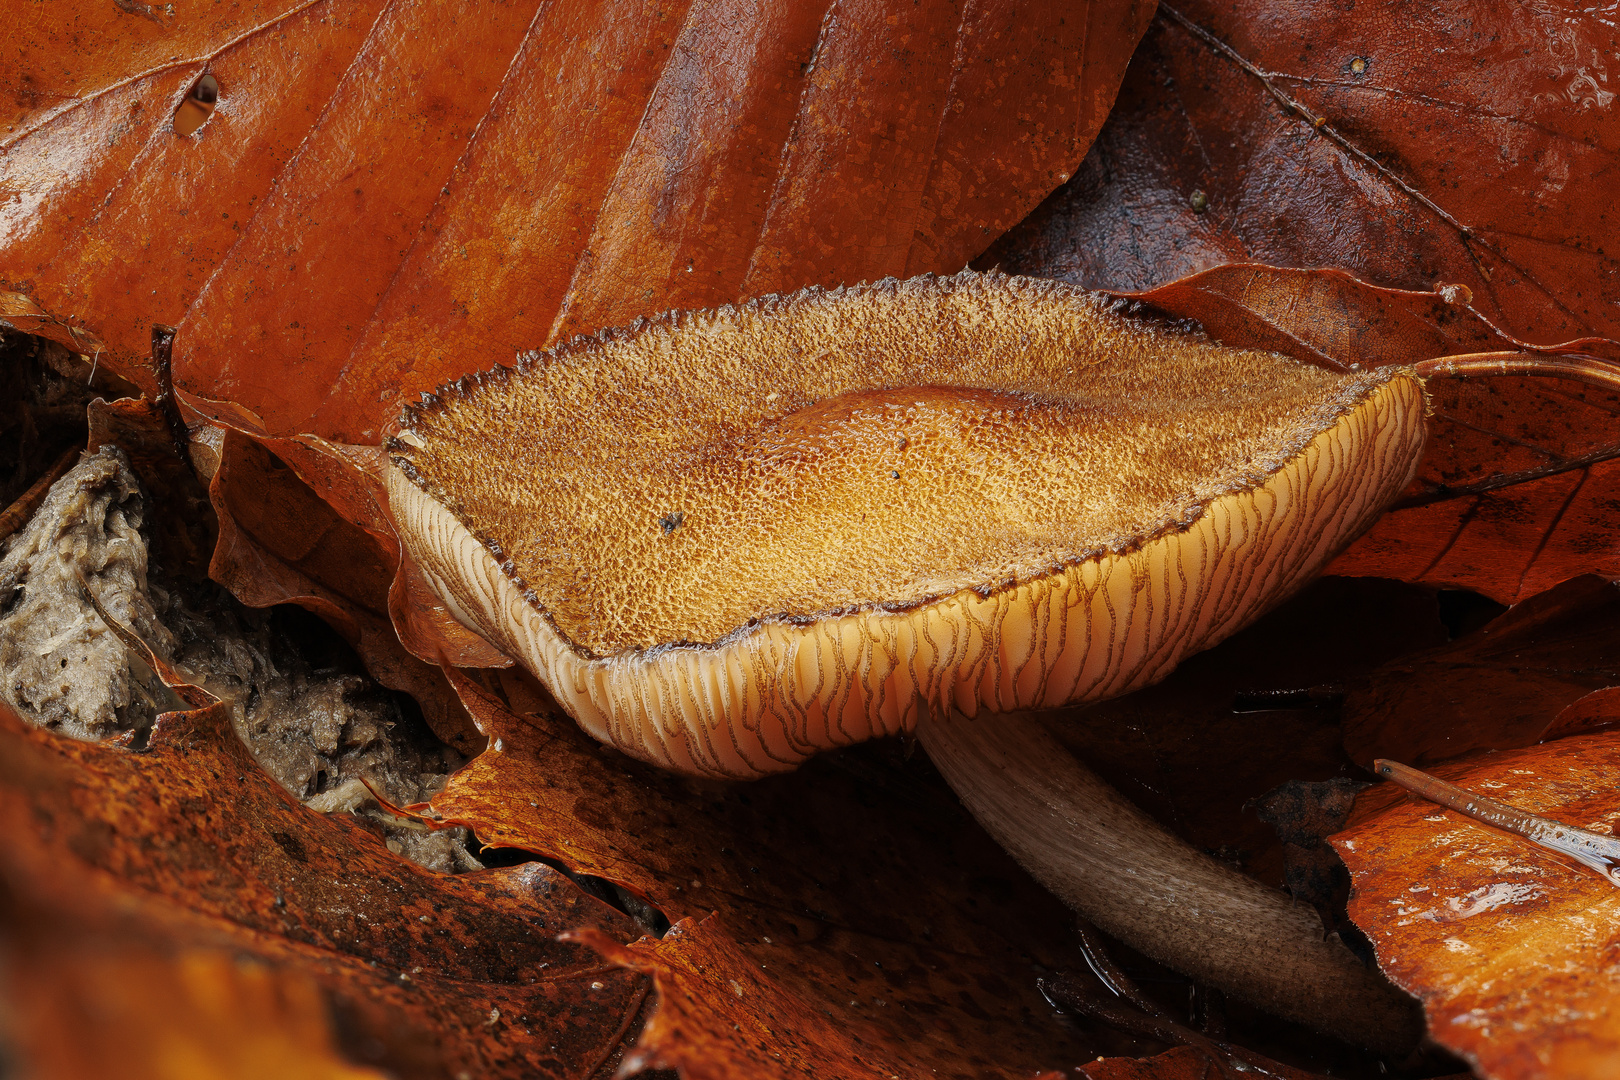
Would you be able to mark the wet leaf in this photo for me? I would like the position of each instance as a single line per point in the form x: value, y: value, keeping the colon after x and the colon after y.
x: 721, y: 1015
x: 280, y: 930
x: 1410, y: 146
x: 1511, y: 948
x: 284, y: 538
x: 854, y: 895
x: 1501, y: 687
x: 385, y: 197
x: 1515, y: 489
x: 1182, y: 1063
x: 1469, y: 198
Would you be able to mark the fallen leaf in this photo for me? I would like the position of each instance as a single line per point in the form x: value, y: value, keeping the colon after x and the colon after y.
x: 200, y: 1011
x: 250, y: 925
x: 855, y: 894
x: 1473, y: 197
x: 1501, y: 687
x: 1182, y: 1063
x: 1599, y: 709
x: 1411, y: 147
x: 283, y: 538
x: 722, y: 1016
x: 384, y: 198
x: 1514, y: 490
x: 1511, y: 948
x: 1513, y: 494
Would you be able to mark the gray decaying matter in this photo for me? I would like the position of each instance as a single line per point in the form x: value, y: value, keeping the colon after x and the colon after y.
x: 317, y: 724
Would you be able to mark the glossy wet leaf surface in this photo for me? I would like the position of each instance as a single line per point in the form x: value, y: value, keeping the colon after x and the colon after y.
x: 1512, y: 949
x: 1474, y: 195
x: 387, y: 196
x: 383, y: 197
x: 1411, y: 146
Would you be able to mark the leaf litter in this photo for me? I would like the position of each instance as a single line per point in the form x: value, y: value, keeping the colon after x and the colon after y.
x: 1549, y: 455
x: 1510, y: 947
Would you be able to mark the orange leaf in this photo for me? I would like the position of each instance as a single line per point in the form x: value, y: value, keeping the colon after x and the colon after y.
x: 386, y: 197
x: 248, y: 924
x: 854, y: 895
x: 1511, y: 948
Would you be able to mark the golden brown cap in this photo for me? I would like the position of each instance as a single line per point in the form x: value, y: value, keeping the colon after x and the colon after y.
x: 729, y: 539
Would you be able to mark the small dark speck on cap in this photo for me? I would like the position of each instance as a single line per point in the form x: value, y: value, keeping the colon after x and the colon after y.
x: 670, y: 522
x: 895, y: 473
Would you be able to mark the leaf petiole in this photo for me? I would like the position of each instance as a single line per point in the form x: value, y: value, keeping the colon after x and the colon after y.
x: 1578, y: 367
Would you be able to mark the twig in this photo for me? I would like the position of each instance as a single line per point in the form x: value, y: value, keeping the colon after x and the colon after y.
x: 17, y: 514
x: 1590, y: 849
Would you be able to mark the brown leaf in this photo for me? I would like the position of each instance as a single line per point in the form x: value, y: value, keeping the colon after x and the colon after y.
x: 855, y: 894
x: 1182, y: 1063
x: 1261, y: 708
x: 1599, y: 709
x: 1514, y: 490
x: 198, y: 1011
x: 1484, y: 181
x: 1511, y: 948
x: 283, y: 538
x: 721, y: 1015
x: 279, y: 931
x: 1410, y: 146
x: 387, y: 197
x: 1501, y: 687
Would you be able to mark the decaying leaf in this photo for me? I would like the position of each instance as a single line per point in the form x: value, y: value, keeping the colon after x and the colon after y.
x: 855, y: 892
x: 1182, y: 1063
x: 721, y: 1015
x: 1512, y: 949
x: 1292, y: 135
x: 1411, y: 146
x: 279, y: 931
x: 1501, y: 687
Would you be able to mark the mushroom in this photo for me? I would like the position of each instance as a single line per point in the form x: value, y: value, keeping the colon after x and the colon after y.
x: 729, y: 540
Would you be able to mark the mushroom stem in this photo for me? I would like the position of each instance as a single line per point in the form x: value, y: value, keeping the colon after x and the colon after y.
x: 1119, y: 868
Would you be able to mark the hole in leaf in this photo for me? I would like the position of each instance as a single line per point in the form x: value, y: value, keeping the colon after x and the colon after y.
x: 194, y: 112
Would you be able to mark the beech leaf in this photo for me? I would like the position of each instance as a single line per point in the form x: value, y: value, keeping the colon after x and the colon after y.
x: 1511, y: 948
x: 244, y: 924
x: 386, y: 197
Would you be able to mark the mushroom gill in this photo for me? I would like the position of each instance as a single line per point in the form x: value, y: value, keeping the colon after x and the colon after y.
x: 727, y: 541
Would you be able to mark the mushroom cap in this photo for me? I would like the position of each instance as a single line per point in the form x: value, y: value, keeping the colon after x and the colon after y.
x: 727, y: 540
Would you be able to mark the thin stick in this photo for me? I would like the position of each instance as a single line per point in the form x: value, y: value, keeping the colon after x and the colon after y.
x: 1578, y: 367
x: 168, y: 405
x: 17, y: 514
x: 1590, y: 849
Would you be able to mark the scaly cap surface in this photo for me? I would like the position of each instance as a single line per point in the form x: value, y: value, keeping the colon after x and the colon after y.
x: 729, y: 539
